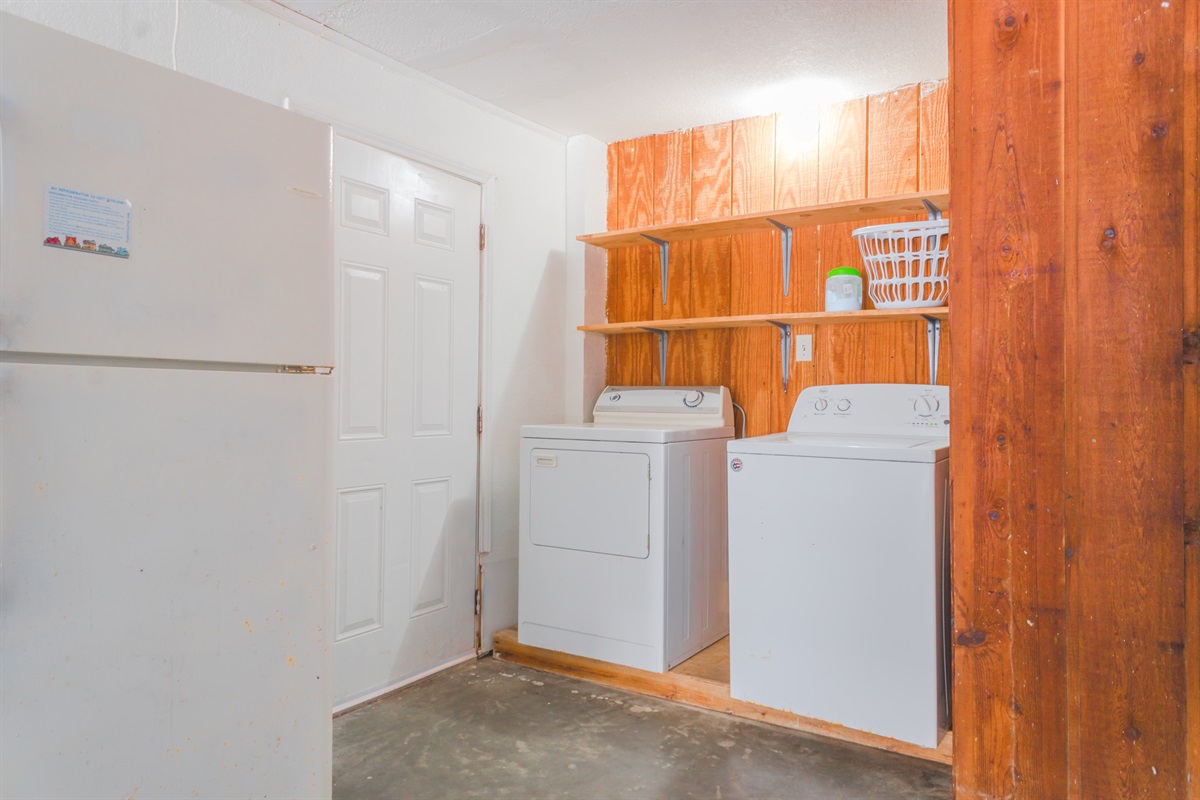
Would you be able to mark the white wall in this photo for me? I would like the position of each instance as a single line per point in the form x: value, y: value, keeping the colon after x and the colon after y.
x: 244, y: 48
x: 587, y: 274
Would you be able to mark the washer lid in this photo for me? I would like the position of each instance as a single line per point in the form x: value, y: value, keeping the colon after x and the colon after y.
x: 860, y: 446
x: 599, y: 432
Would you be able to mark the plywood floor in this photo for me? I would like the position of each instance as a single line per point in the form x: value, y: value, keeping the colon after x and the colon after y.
x: 701, y: 681
x: 711, y: 663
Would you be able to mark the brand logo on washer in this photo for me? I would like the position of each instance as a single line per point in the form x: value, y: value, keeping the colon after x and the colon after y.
x: 736, y: 465
x: 614, y: 398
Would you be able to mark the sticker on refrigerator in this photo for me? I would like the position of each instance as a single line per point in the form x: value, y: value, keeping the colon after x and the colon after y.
x: 90, y: 223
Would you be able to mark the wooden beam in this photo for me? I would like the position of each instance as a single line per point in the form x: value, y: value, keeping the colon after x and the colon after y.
x: 1070, y: 421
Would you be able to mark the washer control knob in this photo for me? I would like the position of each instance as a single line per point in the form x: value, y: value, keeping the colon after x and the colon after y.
x: 843, y: 404
x: 821, y: 404
x: 693, y: 399
x: 926, y: 406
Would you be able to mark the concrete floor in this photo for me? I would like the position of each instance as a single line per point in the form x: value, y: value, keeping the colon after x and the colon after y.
x: 491, y: 729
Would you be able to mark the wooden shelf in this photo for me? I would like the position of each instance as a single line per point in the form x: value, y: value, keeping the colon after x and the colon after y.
x: 783, y: 221
x: 768, y: 320
x: 828, y: 213
x: 783, y: 322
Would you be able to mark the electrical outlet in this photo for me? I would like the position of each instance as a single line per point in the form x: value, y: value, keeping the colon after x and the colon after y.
x: 804, y: 347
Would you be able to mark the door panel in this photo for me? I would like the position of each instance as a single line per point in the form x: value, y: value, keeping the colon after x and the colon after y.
x: 406, y: 456
x: 430, y: 577
x: 359, y: 556
x: 363, y: 352
x: 433, y: 368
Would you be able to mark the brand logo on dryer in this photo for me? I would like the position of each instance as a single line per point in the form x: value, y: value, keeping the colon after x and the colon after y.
x: 736, y: 465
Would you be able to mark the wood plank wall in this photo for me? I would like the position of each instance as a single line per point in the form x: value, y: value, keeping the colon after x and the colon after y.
x: 1076, y: 463
x: 869, y: 147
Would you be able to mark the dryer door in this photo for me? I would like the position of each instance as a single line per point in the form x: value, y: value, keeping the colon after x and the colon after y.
x: 597, y: 502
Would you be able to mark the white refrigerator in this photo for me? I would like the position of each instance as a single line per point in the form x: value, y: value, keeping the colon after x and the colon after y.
x: 165, y: 508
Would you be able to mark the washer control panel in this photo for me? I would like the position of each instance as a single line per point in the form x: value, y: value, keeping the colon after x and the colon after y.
x: 886, y: 408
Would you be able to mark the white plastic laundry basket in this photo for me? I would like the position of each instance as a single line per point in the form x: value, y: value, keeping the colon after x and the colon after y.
x: 906, y: 263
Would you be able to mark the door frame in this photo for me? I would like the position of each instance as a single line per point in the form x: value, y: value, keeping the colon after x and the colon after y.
x: 487, y: 184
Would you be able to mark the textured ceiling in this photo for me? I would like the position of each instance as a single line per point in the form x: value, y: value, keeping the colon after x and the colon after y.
x: 617, y: 69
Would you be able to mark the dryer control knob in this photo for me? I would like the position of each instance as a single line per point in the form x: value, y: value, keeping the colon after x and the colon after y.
x: 693, y: 399
x: 843, y: 405
x: 926, y: 406
x: 820, y: 404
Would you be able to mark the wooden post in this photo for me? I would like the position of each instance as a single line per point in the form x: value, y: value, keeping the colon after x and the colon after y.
x: 1073, y: 179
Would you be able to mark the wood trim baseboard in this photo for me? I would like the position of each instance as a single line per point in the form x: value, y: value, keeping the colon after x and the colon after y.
x: 700, y: 693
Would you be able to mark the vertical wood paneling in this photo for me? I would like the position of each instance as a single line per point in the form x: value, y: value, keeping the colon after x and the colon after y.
x: 1030, y: 270
x: 712, y: 196
x: 1006, y: 390
x: 1074, y: 275
x: 673, y: 203
x: 1191, y: 389
x: 796, y: 175
x: 1128, y: 397
x: 933, y: 160
x: 633, y: 360
x: 933, y: 172
x: 893, y: 138
x: 754, y: 273
x: 983, y: 754
x: 842, y: 175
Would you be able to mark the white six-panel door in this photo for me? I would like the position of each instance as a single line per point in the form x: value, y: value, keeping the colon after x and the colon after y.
x: 406, y: 248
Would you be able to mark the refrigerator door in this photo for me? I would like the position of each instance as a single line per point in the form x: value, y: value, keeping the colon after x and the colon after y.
x: 229, y: 236
x: 165, y: 601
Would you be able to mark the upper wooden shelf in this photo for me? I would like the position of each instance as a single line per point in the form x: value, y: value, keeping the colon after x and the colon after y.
x: 767, y: 320
x: 900, y: 205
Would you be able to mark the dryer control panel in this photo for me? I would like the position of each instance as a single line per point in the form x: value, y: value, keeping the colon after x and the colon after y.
x: 896, y: 409
x: 665, y: 406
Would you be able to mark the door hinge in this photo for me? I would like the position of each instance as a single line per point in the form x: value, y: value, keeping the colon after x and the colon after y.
x: 482, y: 235
x: 479, y: 420
x: 477, y: 603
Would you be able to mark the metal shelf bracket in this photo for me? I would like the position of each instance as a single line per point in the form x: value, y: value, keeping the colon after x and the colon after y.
x: 785, y: 247
x: 664, y: 250
x: 662, y: 354
x: 934, y: 211
x: 933, y: 339
x: 785, y: 349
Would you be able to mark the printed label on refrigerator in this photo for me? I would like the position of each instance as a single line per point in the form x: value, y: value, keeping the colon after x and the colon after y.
x: 90, y: 223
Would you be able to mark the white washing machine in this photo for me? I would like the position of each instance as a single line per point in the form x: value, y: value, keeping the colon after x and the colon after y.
x: 623, y: 551
x: 838, y: 561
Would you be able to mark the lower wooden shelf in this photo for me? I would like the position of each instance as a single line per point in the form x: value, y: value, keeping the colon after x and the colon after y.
x: 701, y: 681
x: 665, y: 327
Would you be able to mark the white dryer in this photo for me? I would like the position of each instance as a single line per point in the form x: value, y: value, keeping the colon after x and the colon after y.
x: 838, y: 561
x: 622, y: 528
